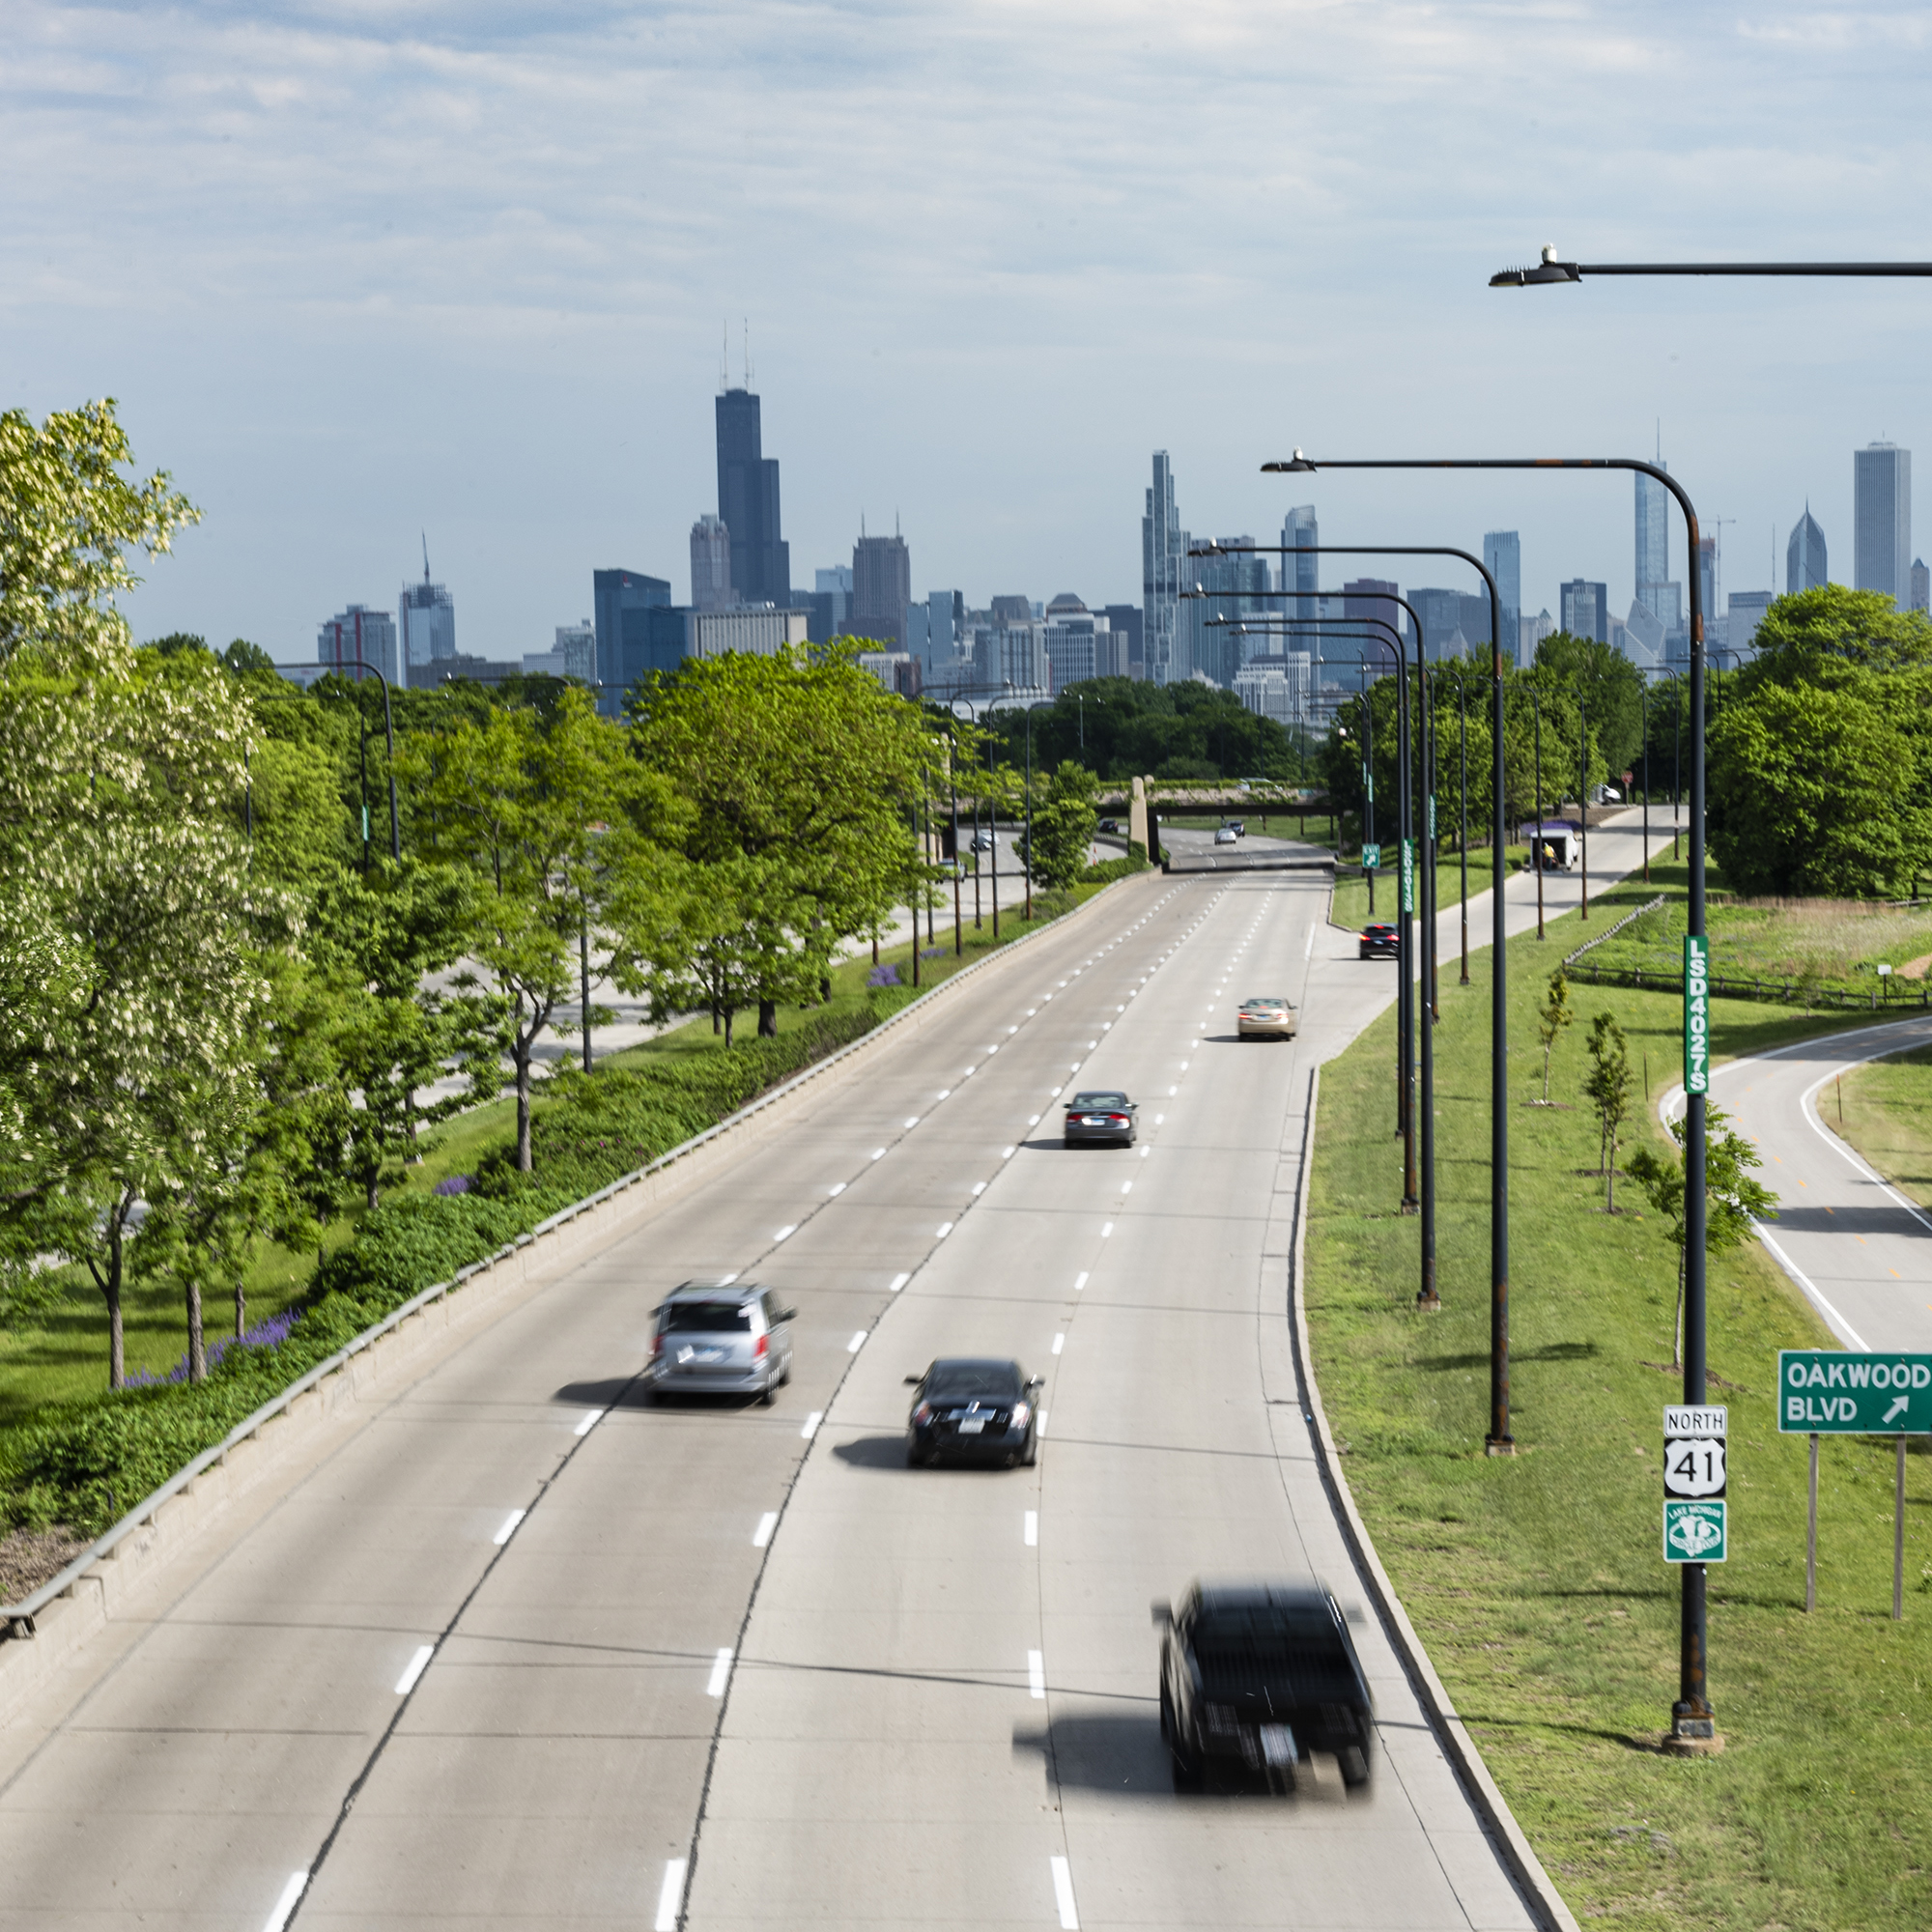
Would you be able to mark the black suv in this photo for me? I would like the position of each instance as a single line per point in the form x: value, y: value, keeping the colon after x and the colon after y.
x: 1259, y: 1676
x: 1381, y: 942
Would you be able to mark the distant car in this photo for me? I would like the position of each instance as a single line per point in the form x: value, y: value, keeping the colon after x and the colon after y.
x: 1265, y: 1018
x: 1227, y: 836
x: 1261, y: 1676
x: 1112, y: 825
x: 713, y: 1338
x: 1381, y: 942
x: 973, y: 1410
x: 983, y: 841
x: 1106, y: 1118
x: 1238, y: 827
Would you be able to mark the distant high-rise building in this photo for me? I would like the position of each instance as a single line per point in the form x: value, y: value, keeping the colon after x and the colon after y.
x: 1710, y: 575
x: 1805, y: 557
x: 1441, y: 615
x: 1011, y: 609
x: 1921, y: 586
x: 935, y: 627
x: 576, y: 645
x: 748, y: 504
x: 1502, y: 555
x: 1165, y: 572
x: 1123, y: 632
x: 1214, y: 646
x: 427, y: 622
x: 1301, y: 575
x: 711, y: 566
x: 881, y: 589
x: 1585, y: 610
x: 638, y: 632
x: 1531, y: 631
x: 1659, y: 593
x: 1370, y: 597
x: 1882, y: 520
x: 355, y: 637
x: 1746, y: 614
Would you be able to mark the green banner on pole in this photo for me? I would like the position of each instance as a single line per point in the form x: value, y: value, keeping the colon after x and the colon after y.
x: 1696, y: 1013
x: 1409, y: 875
x: 1432, y: 818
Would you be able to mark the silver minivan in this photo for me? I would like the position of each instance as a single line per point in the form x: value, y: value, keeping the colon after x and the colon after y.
x: 717, y: 1338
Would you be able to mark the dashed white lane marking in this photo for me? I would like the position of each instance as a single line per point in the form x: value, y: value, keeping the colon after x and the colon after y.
x: 1059, y: 1343
x: 912, y: 1120
x: 944, y: 1228
x: 1079, y: 1281
x: 1032, y: 1530
x: 837, y: 1188
x: 1158, y: 1119
x: 510, y: 1528
x: 1172, y: 1091
x: 721, y: 1674
x: 1007, y: 1154
x: 811, y: 1423
x: 857, y: 1343
x: 1127, y: 1187
x: 979, y: 1188
x: 1035, y: 1673
x: 286, y: 1904
x: 1308, y: 951
x: 669, y: 1893
x: 1106, y: 1229
x: 878, y: 1153
x: 786, y: 1232
x: 898, y: 1282
x: 414, y: 1668
x: 725, y: 1280
x: 1032, y: 1120
x: 762, y: 1535
x: 1145, y: 1151
x: 946, y: 1093
x: 1040, y: 1424
x: 1062, y: 1893
x: 590, y: 1422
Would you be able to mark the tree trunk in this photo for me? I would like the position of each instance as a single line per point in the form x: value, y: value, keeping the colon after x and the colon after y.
x: 372, y: 1191
x: 714, y: 1022
x: 240, y: 1307
x: 197, y: 1351
x: 730, y: 1011
x: 1610, y: 1178
x: 825, y: 989
x: 1546, y: 1076
x: 524, y: 1162
x: 768, y: 1019
x: 110, y: 1293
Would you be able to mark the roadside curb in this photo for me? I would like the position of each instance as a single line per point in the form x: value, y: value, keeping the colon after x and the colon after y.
x: 51, y: 1623
x: 1512, y: 1848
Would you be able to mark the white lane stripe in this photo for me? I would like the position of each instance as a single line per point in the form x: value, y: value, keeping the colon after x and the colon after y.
x: 945, y: 1092
x: 944, y: 1228
x: 811, y: 1423
x: 857, y: 1343
x: 671, y: 1894
x: 1127, y: 1187
x: 1031, y: 1531
x: 413, y: 1669
x: 721, y: 1674
x: 1059, y: 1343
x: 725, y: 1280
x: 1308, y: 951
x: 1007, y: 1154
x: 878, y: 1153
x: 1172, y: 1091
x: 286, y: 1904
x: 1039, y: 1426
x: 1106, y: 1229
x: 912, y: 1120
x: 1062, y: 1893
x: 837, y: 1188
x: 1035, y: 1673
x: 590, y: 1422
x: 789, y: 1229
x: 898, y: 1282
x: 1079, y: 1281
x: 510, y: 1528
x: 979, y: 1188
x: 762, y: 1535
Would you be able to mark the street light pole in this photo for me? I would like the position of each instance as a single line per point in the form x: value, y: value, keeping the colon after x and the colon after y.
x: 1584, y: 794
x: 1536, y: 830
x: 1462, y: 836
x: 1643, y: 699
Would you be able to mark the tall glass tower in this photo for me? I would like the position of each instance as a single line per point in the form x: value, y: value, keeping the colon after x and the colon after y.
x: 1882, y: 520
x: 1301, y: 574
x: 1805, y: 556
x: 1164, y: 574
x: 748, y: 504
x: 1502, y: 552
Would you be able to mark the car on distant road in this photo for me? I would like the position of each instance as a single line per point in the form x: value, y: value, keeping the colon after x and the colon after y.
x: 1381, y: 942
x: 1112, y: 825
x: 1237, y: 826
x: 1227, y: 836
x: 983, y: 841
x: 1260, y: 1677
x: 1265, y: 1017
x: 719, y: 1338
x: 1108, y: 1119
x: 973, y: 1409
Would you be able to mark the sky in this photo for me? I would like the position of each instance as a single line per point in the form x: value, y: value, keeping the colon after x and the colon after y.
x: 359, y: 272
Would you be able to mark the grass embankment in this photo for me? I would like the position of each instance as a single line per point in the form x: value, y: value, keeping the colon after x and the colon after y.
x: 1885, y: 1109
x: 1537, y: 1584
x: 72, y: 1453
x: 1351, y: 886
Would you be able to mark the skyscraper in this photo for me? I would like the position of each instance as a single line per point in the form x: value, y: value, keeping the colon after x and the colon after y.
x: 1655, y: 589
x: 1585, y: 610
x: 1301, y: 575
x: 1805, y: 556
x: 360, y: 636
x: 1370, y: 597
x: 1921, y: 587
x: 427, y: 625
x: 1882, y: 520
x: 1213, y: 644
x: 1165, y: 572
x: 748, y: 504
x: 1710, y: 575
x: 1502, y: 553
x: 637, y: 631
x: 881, y: 589
x: 711, y: 566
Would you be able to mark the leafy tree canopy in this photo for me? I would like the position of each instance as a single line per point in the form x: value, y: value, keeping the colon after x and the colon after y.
x: 1813, y: 636
x: 1612, y: 688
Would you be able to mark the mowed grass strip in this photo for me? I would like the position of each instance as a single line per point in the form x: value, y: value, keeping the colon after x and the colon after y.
x: 1537, y: 1584
x: 1883, y: 1109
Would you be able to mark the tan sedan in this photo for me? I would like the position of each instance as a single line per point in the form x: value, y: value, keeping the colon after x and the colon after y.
x: 1265, y: 1019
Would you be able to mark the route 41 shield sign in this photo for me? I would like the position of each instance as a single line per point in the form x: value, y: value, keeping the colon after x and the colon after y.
x: 1694, y: 1477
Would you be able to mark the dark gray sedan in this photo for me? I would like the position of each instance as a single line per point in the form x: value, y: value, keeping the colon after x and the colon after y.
x: 1103, y: 1117
x: 971, y: 1409
x: 719, y: 1338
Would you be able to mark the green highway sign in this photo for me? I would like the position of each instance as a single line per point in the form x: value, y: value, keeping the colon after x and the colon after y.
x: 1372, y: 857
x: 1409, y: 875
x: 1694, y: 1532
x: 1842, y: 1392
x: 1696, y: 1013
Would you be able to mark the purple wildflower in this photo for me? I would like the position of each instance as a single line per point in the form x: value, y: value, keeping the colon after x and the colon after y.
x: 457, y: 1183
x: 883, y: 976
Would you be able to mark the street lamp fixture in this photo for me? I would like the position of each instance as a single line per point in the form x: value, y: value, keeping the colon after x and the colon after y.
x: 1550, y: 269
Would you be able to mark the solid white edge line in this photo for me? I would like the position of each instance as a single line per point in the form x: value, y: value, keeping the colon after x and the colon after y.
x: 1062, y: 1893
x: 414, y: 1668
x: 1036, y: 1674
x: 510, y: 1528
x: 811, y: 1423
x: 1030, y: 1529
x: 762, y: 1535
x: 721, y: 1673
x: 671, y: 1894
x: 286, y: 1904
x: 857, y: 1343
x: 1839, y: 1324
x: 590, y: 1422
x: 898, y: 1282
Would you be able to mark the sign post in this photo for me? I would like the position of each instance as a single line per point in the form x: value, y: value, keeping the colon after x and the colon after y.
x: 1695, y: 1508
x: 1372, y: 857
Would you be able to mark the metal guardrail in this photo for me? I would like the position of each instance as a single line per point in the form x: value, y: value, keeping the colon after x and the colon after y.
x: 17, y: 1620
x: 1572, y: 957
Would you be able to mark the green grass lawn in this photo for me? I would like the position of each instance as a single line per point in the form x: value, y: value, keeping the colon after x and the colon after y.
x: 1885, y: 1109
x: 1538, y: 1584
x: 1352, y: 886
x: 62, y: 1357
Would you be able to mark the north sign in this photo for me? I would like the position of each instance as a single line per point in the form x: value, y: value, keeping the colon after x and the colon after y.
x: 1847, y: 1392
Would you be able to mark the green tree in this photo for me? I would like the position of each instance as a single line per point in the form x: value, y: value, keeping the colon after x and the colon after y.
x: 1608, y: 1085
x: 1063, y: 826
x: 1552, y: 1018
x: 1804, y: 637
x: 242, y: 656
x: 1612, y: 690
x: 1733, y: 1200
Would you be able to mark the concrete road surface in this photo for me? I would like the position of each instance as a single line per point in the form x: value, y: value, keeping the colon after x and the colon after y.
x: 524, y: 1649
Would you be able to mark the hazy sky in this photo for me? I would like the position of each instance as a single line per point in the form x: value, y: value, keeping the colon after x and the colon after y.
x: 357, y: 270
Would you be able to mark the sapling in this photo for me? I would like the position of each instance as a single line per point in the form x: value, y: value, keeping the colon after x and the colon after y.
x: 1551, y: 1018
x: 1608, y: 1087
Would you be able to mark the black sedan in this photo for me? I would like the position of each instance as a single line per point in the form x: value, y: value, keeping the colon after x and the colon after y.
x: 1381, y: 942
x: 1107, y: 1117
x: 1260, y: 1677
x: 971, y: 1410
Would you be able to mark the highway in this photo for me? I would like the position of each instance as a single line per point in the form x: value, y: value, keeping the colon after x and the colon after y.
x: 522, y: 1648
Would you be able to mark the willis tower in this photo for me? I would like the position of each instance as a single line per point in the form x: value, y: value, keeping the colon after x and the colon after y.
x: 748, y: 504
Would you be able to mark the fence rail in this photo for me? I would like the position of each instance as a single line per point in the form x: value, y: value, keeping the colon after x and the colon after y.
x: 1880, y: 999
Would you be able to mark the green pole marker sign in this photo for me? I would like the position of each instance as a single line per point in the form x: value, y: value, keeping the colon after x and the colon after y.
x: 1696, y: 1013
x: 1839, y: 1392
x: 1695, y: 1477
x: 1432, y: 818
x: 1372, y: 857
x: 1409, y: 875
